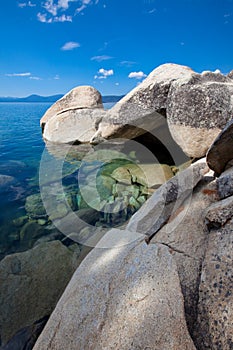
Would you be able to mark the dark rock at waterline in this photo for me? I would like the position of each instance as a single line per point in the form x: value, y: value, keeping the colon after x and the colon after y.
x: 31, y: 283
x: 221, y: 151
x: 26, y: 337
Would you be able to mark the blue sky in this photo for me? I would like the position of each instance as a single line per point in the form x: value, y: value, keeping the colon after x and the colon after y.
x: 50, y: 46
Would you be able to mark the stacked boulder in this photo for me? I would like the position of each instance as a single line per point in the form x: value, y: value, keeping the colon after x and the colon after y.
x: 73, y: 118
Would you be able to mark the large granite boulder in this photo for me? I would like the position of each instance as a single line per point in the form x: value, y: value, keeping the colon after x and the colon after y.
x: 142, y: 109
x: 78, y: 98
x: 31, y: 283
x: 73, y: 118
x: 221, y: 151
x: 73, y: 126
x: 198, y: 108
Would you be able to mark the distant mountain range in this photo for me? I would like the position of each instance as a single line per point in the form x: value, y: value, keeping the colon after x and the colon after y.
x: 54, y: 98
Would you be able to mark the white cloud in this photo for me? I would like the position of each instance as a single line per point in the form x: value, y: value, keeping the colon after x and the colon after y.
x: 71, y: 45
x: 80, y: 9
x: 127, y: 63
x: 18, y: 74
x: 43, y: 18
x: 25, y: 4
x: 35, y: 78
x: 152, y: 11
x: 117, y: 84
x: 101, y: 58
x: 85, y: 3
x: 51, y: 7
x: 56, y: 77
x: 22, y: 4
x: 63, y: 18
x: 137, y: 75
x: 103, y: 73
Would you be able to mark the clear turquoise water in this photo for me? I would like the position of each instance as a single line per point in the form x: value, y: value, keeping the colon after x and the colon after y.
x: 21, y: 148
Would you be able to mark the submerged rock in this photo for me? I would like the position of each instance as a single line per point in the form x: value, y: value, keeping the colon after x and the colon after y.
x: 34, y: 206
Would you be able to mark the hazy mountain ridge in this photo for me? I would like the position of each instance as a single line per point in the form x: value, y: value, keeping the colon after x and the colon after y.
x: 53, y: 98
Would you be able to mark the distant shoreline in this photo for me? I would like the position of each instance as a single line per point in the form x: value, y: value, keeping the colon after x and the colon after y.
x: 53, y: 98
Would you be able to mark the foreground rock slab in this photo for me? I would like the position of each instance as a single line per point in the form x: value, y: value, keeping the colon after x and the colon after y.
x: 119, y: 299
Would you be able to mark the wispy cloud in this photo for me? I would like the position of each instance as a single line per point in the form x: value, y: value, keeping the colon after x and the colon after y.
x: 71, y: 45
x: 56, y: 77
x: 127, y: 63
x: 101, y: 58
x: 63, y: 18
x: 152, y: 11
x: 137, y: 75
x: 103, y: 73
x: 25, y: 4
x: 42, y: 17
x: 18, y: 74
x: 35, y: 78
x: 84, y: 4
x: 60, y: 10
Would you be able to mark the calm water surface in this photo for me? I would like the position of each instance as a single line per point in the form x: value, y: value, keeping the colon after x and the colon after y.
x: 21, y: 148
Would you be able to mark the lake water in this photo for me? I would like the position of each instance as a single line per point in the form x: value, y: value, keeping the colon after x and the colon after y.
x: 28, y: 171
x: 21, y: 147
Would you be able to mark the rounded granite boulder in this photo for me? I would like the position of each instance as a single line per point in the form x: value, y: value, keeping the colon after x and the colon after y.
x: 78, y: 98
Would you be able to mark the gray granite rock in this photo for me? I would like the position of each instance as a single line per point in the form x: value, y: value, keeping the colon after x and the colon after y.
x: 167, y: 199
x: 31, y: 283
x: 121, y: 298
x: 78, y: 98
x: 214, y: 326
x: 142, y: 109
x: 225, y: 184
x: 73, y: 126
x: 186, y: 236
x: 220, y: 212
x: 221, y: 151
x: 26, y: 337
x: 198, y: 108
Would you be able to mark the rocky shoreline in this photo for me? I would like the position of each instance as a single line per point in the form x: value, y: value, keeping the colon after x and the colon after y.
x: 157, y: 223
